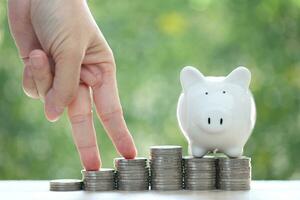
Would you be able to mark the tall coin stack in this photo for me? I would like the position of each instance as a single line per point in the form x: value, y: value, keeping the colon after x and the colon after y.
x: 234, y: 173
x: 102, y: 180
x: 199, y: 173
x: 166, y: 167
x: 132, y: 174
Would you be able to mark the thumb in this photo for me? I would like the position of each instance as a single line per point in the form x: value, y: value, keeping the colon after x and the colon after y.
x: 65, y: 83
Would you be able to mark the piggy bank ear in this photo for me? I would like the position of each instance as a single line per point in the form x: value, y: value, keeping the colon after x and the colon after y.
x: 240, y: 76
x: 190, y: 76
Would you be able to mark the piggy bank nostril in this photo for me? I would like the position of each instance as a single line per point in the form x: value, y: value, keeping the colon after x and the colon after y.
x: 208, y: 120
x: 221, y: 121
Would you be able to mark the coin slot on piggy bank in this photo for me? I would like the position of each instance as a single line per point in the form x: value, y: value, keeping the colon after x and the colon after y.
x: 216, y: 113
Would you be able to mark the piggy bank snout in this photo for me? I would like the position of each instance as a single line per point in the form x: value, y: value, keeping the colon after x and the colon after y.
x: 214, y: 120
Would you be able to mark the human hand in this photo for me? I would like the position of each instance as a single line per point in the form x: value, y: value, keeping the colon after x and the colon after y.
x: 61, y: 44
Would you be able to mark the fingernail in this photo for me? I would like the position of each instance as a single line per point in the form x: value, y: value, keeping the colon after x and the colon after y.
x: 54, y: 112
x: 36, y: 61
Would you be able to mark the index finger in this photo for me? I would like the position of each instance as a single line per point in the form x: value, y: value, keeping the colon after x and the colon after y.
x: 109, y: 109
x: 84, y: 134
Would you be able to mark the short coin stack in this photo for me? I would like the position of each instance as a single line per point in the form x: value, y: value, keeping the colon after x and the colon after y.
x: 102, y: 180
x: 166, y: 167
x: 65, y: 185
x: 199, y: 173
x: 132, y: 174
x: 234, y: 174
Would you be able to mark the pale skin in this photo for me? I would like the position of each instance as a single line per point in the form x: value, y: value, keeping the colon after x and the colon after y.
x: 69, y: 64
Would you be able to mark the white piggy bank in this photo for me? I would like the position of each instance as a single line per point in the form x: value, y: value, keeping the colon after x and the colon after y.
x: 216, y: 113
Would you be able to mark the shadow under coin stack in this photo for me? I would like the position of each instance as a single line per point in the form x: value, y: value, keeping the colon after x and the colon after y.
x: 166, y: 167
x: 199, y: 173
x: 234, y: 173
x: 102, y: 180
x: 65, y: 185
x: 132, y: 174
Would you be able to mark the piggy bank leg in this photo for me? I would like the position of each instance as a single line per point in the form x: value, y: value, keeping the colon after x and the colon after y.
x: 234, y: 152
x: 197, y: 151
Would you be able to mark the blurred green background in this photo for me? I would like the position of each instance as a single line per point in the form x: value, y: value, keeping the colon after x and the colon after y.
x: 152, y: 41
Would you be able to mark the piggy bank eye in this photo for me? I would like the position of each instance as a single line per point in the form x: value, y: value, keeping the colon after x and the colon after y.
x: 224, y: 91
x: 206, y: 93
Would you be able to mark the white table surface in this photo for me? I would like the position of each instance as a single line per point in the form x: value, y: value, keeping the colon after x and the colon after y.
x: 267, y: 190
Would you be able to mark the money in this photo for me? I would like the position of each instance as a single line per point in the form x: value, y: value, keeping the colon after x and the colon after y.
x: 234, y: 173
x: 65, y: 185
x: 199, y: 173
x: 166, y: 170
x: 132, y: 174
x: 101, y: 180
x: 166, y: 167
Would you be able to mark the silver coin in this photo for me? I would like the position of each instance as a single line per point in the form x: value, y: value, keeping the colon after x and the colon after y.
x: 167, y: 177
x: 159, y: 182
x: 65, y: 185
x: 201, y: 182
x: 165, y: 148
x: 140, y: 171
x: 232, y: 173
x: 73, y: 186
x: 64, y: 189
x: 168, y: 166
x: 66, y: 182
x: 242, y: 158
x: 94, y: 189
x: 98, y: 182
x: 165, y: 152
x: 164, y: 170
x: 166, y: 160
x: 135, y: 160
x: 200, y: 177
x: 234, y: 164
x: 166, y: 187
x: 203, y: 159
x: 131, y: 168
x: 200, y: 167
x: 133, y: 187
x: 101, y: 172
x: 191, y: 187
x: 132, y: 176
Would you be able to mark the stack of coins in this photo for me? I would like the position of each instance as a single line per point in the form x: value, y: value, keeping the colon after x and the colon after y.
x: 102, y: 180
x: 65, y: 185
x: 166, y: 167
x: 132, y: 174
x: 234, y: 174
x: 199, y: 173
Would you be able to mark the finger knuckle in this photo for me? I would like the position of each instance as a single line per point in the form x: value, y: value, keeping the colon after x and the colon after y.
x: 41, y: 77
x: 109, y: 69
x: 69, y: 49
x: 97, y: 82
x: 80, y: 118
x: 65, y: 97
x: 107, y: 116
